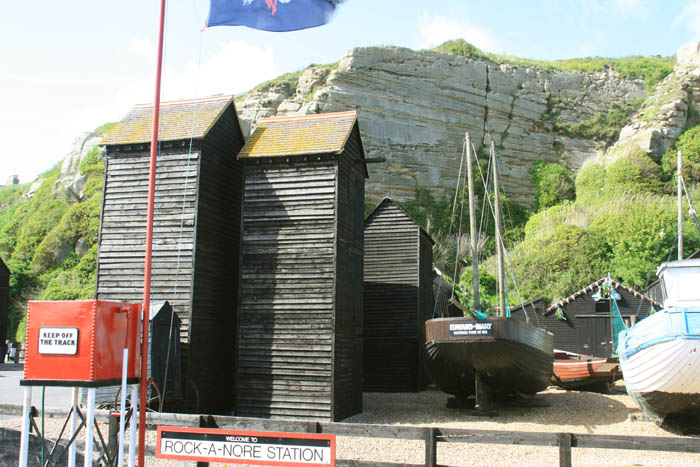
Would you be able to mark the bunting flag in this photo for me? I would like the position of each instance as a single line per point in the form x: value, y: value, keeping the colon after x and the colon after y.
x: 270, y: 15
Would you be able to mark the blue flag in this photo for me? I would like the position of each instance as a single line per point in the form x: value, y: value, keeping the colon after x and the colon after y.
x: 270, y: 15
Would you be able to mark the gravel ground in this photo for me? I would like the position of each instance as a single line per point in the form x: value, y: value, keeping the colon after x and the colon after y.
x: 561, y: 411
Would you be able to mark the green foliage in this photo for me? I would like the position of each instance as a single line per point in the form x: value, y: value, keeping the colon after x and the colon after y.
x: 603, y: 127
x: 651, y: 69
x: 635, y: 172
x: 553, y: 184
x: 488, y: 289
x: 689, y: 145
x: 38, y: 236
x: 554, y: 265
x: 104, y: 129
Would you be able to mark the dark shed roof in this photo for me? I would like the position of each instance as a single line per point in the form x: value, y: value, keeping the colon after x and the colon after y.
x: 183, y: 119
x: 302, y: 135
x: 386, y: 201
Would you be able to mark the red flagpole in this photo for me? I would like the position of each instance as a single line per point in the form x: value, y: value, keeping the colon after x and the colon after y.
x: 148, y: 260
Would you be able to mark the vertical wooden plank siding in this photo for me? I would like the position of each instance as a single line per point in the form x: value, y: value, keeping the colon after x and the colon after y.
x: 285, y: 319
x: 217, y: 249
x: 4, y: 300
x: 347, y: 350
x: 398, y: 299
x: 195, y: 245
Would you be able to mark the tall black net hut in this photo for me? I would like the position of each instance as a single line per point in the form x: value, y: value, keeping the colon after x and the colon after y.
x: 196, y: 236
x: 300, y: 314
x: 398, y: 280
x: 4, y: 302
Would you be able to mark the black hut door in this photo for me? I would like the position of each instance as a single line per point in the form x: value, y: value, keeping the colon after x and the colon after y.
x: 594, y: 335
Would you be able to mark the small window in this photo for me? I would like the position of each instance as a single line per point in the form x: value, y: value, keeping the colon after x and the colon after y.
x: 602, y: 306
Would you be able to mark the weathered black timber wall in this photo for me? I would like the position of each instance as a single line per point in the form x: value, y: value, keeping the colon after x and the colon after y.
x: 195, y: 245
x: 4, y: 301
x: 301, y: 287
x: 586, y: 327
x: 349, y: 287
x: 398, y: 300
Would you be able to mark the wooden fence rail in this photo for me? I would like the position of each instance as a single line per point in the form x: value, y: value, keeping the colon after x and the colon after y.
x: 431, y: 436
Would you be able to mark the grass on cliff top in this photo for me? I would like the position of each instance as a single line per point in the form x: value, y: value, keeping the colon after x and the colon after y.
x: 651, y: 69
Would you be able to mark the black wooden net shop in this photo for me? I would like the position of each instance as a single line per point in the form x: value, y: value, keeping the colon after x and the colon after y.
x: 196, y: 235
x: 4, y: 305
x: 581, y: 324
x: 300, y: 312
x: 398, y: 299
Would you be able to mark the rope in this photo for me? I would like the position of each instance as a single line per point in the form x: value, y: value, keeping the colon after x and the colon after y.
x: 182, y: 223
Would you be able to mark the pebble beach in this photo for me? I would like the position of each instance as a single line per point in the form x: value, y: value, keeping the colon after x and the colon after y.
x: 552, y: 411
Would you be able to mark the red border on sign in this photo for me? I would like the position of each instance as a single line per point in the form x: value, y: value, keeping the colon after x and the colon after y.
x: 185, y: 457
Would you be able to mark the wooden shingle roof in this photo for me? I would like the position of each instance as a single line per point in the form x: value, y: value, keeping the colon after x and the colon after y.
x: 300, y: 135
x: 183, y: 119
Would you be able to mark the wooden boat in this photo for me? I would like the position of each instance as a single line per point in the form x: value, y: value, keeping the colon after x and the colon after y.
x: 584, y: 372
x: 490, y: 357
x: 660, y: 355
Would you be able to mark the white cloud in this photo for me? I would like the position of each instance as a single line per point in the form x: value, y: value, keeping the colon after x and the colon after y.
x: 435, y: 30
x: 690, y: 16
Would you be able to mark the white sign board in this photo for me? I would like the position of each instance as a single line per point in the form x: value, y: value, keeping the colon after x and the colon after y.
x: 246, y: 447
x: 58, y: 341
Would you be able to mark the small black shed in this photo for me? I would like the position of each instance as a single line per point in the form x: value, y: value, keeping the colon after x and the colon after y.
x: 300, y: 313
x: 581, y: 324
x: 398, y: 281
x: 4, y: 302
x: 196, y: 235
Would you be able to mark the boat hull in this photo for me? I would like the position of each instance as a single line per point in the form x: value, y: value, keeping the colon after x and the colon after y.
x: 573, y: 371
x: 509, y: 356
x: 660, y: 361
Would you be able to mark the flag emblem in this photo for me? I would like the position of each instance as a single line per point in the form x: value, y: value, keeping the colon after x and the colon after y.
x: 270, y: 15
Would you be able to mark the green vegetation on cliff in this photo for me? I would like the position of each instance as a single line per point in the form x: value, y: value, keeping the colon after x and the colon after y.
x: 49, y: 242
x: 651, y: 69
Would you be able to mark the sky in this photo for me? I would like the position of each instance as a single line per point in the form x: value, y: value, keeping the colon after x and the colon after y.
x: 68, y: 67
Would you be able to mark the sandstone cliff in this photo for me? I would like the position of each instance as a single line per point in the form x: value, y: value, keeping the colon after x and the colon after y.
x: 415, y: 107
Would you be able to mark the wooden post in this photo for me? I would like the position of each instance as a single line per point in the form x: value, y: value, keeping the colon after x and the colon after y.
x: 680, y: 206
x: 564, y: 449
x: 499, y: 233
x: 472, y: 227
x: 430, y: 447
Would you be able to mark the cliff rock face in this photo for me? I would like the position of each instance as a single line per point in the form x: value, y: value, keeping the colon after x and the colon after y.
x: 416, y: 106
x: 667, y: 111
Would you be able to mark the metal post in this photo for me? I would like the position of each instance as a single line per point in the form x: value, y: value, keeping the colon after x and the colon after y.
x: 134, y: 425
x: 472, y: 226
x: 24, y: 442
x: 122, y: 408
x: 72, y: 449
x: 89, y: 425
x: 148, y: 259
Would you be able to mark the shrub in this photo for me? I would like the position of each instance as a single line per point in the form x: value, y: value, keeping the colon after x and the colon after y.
x: 553, y: 184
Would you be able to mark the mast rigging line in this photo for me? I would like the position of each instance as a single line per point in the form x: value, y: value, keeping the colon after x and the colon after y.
x: 487, y: 198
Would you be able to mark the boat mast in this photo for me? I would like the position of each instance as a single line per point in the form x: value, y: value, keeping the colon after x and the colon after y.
x: 499, y: 228
x: 680, y: 208
x: 472, y: 226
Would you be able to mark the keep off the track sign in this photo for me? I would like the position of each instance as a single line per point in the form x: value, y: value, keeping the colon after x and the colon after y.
x: 245, y: 447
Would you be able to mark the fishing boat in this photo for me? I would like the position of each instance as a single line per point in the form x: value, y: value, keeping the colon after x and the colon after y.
x: 574, y: 371
x: 660, y: 355
x: 488, y: 357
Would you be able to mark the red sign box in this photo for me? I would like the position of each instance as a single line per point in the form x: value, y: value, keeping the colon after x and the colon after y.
x: 245, y: 447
